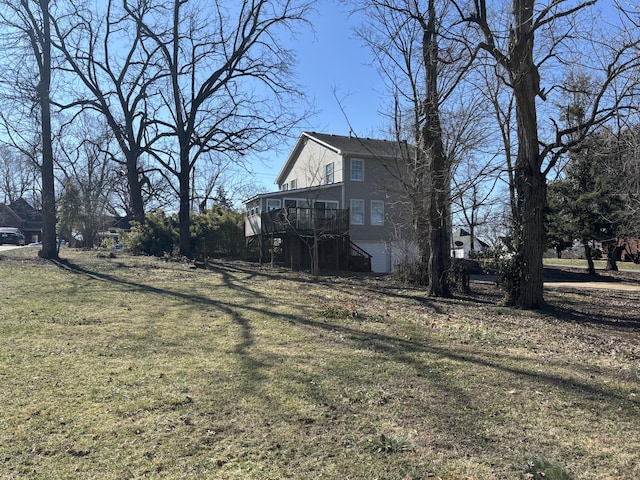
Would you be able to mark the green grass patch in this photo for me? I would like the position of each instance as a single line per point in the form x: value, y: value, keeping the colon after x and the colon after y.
x: 133, y: 367
x: 540, y: 469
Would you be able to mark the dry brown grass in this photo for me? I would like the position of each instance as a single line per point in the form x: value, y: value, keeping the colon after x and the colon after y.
x: 131, y: 367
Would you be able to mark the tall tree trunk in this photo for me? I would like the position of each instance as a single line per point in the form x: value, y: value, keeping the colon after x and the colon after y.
x: 49, y: 248
x: 529, y: 241
x: 440, y: 258
x: 530, y: 182
x: 613, y: 251
x: 422, y: 229
x: 439, y: 235
x: 131, y: 150
x: 136, y: 202
x: 472, y: 238
x: 184, y: 213
x: 183, y: 133
x: 591, y: 269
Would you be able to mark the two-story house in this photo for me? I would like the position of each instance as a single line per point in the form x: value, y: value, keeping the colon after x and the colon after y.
x: 342, y: 194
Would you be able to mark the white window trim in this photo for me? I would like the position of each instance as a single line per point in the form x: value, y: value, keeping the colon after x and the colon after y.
x: 377, y: 224
x: 352, y: 210
x: 351, y: 170
x: 327, y: 167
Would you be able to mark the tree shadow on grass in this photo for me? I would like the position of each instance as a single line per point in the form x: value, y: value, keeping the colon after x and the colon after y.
x: 246, y: 335
x: 418, y: 355
x: 611, y: 309
x: 397, y: 347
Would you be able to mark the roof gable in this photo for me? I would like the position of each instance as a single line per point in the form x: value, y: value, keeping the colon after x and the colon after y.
x: 25, y: 211
x: 8, y: 217
x: 462, y: 237
x: 346, y: 146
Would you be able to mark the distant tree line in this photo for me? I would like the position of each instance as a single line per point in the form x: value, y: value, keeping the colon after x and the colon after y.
x: 597, y: 199
x: 127, y: 107
x: 497, y: 98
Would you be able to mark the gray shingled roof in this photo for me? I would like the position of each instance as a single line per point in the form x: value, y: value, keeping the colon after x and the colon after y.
x: 358, y: 146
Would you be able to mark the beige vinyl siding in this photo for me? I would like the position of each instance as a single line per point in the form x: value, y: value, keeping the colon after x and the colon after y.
x: 310, y: 167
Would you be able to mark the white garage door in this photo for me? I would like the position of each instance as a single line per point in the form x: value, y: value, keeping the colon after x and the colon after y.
x: 380, y: 257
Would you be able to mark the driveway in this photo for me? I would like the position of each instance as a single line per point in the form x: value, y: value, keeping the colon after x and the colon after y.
x: 587, y: 284
x: 4, y: 248
x: 630, y: 287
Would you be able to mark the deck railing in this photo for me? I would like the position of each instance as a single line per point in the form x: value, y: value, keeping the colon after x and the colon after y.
x: 305, y: 221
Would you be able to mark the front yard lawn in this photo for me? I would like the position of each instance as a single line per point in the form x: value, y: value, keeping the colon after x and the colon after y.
x: 133, y: 367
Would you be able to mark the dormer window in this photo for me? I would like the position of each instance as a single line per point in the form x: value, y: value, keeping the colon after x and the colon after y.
x: 357, y: 170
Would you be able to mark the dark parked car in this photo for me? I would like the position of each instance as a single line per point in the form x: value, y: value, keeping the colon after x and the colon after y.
x: 11, y: 235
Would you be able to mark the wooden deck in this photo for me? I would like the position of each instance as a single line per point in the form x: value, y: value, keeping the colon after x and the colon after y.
x: 305, y: 221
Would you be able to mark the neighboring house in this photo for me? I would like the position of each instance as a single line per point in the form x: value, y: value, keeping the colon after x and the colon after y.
x: 629, y: 249
x: 461, y: 244
x: 343, y: 192
x: 21, y: 215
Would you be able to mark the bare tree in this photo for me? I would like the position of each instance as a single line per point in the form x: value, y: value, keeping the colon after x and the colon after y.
x: 86, y: 168
x: 474, y: 188
x: 104, y: 51
x: 501, y: 105
x: 629, y: 176
x: 28, y: 37
x: 17, y: 175
x: 543, y: 39
x: 422, y: 62
x: 218, y: 59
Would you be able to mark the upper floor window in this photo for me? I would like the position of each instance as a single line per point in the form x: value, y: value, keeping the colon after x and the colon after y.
x: 357, y: 170
x: 294, y: 184
x: 328, y: 173
x: 356, y: 212
x: 285, y: 187
x: 377, y: 212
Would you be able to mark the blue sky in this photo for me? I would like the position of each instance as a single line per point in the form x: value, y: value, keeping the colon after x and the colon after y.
x: 331, y: 57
